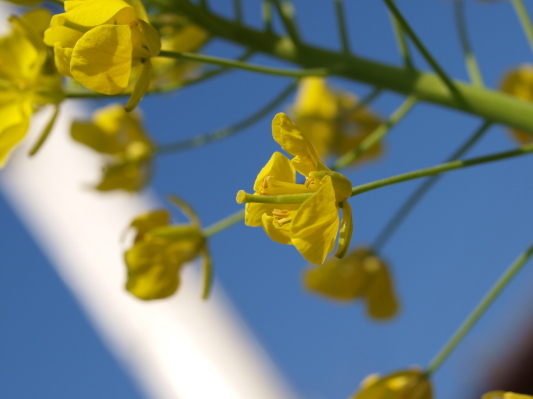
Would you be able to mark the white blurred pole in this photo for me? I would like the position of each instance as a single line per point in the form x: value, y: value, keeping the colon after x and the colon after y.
x: 181, y: 347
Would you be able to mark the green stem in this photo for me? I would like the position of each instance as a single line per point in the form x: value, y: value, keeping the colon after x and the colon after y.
x: 488, y: 104
x: 220, y: 134
x: 402, y: 43
x: 267, y: 15
x: 237, y: 5
x: 391, y: 227
x: 376, y: 136
x: 417, y: 174
x: 243, y: 65
x: 224, y: 223
x: 343, y: 30
x: 425, y: 52
x: 45, y: 133
x: 470, y: 59
x: 287, y: 19
x: 525, y: 21
x: 480, y: 309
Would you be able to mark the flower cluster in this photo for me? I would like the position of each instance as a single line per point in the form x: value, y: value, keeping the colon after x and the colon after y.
x: 312, y: 226
x: 332, y: 120
x: 120, y: 136
x: 28, y: 80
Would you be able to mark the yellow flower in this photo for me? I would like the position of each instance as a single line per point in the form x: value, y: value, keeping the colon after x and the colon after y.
x: 97, y: 41
x: 313, y: 225
x: 331, y: 121
x: 519, y: 83
x: 159, y: 252
x: 409, y: 384
x: 121, y: 137
x: 360, y: 274
x: 186, y: 38
x: 27, y: 80
x: 505, y: 395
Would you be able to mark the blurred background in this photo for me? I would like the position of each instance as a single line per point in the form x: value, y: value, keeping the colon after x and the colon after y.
x: 444, y: 258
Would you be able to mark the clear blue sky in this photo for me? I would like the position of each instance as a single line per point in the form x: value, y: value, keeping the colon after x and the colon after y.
x: 444, y: 258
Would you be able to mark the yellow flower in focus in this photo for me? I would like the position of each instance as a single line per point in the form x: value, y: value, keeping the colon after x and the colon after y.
x: 28, y: 80
x: 312, y: 226
x: 361, y: 274
x: 519, y: 83
x: 505, y: 395
x: 159, y: 252
x: 96, y: 42
x: 331, y: 121
x: 119, y: 135
x: 171, y: 72
x: 410, y: 384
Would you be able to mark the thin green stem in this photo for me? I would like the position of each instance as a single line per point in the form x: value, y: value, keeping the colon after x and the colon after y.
x: 204, y: 5
x: 224, y: 223
x: 243, y: 65
x: 237, y: 5
x: 220, y: 134
x: 402, y: 43
x: 267, y: 15
x: 285, y: 11
x: 420, y: 46
x: 479, y: 310
x: 377, y: 135
x: 488, y: 104
x: 368, y: 99
x: 243, y: 197
x: 470, y: 59
x: 45, y: 133
x: 341, y: 22
x: 525, y: 21
x: 402, y: 213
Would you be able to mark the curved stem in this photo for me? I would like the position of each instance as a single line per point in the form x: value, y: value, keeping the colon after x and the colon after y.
x: 224, y: 223
x: 45, y: 133
x: 487, y: 104
x: 243, y: 65
x: 417, y: 174
x: 470, y: 59
x: 525, y: 21
x: 376, y: 136
x: 402, y: 43
x: 220, y: 134
x: 479, y: 310
x: 391, y: 227
x: 287, y: 19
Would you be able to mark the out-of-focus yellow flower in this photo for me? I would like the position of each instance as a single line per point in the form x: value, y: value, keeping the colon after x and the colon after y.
x: 186, y: 38
x: 312, y: 226
x: 27, y: 79
x: 159, y: 252
x: 331, y: 121
x: 119, y: 135
x: 96, y: 42
x: 361, y: 274
x: 519, y: 83
x: 409, y: 384
x: 505, y: 395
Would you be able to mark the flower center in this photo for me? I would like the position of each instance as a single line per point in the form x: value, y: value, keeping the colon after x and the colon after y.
x: 282, y: 216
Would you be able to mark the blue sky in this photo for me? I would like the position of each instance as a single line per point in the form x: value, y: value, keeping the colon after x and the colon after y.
x: 444, y: 258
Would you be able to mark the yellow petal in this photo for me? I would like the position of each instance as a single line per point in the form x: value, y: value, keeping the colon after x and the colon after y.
x: 280, y: 167
x: 380, y: 295
x: 101, y: 59
x: 14, y: 123
x: 140, y: 86
x: 277, y: 233
x: 94, y: 137
x: 58, y: 33
x: 148, y: 221
x: 130, y: 177
x: 19, y: 59
x: 400, y: 385
x: 62, y: 58
x: 287, y: 134
x: 253, y: 213
x: 97, y: 12
x: 315, y: 99
x: 315, y: 225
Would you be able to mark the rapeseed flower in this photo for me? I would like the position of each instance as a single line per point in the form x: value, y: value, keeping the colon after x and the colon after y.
x: 312, y: 226
x: 360, y: 274
x: 159, y: 252
x: 519, y: 83
x: 121, y: 137
x: 505, y: 395
x: 332, y: 121
x: 408, y: 384
x: 96, y: 42
x: 28, y: 79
